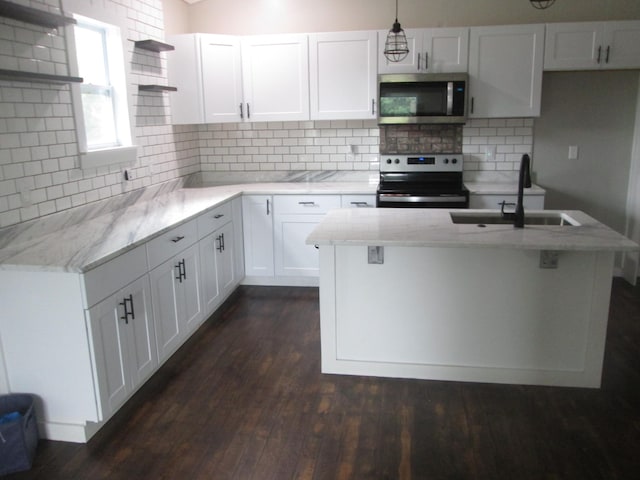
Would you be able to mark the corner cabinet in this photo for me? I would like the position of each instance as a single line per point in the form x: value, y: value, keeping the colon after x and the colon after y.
x: 505, y: 71
x: 431, y: 50
x: 342, y: 74
x: 275, y: 74
x: 592, y: 45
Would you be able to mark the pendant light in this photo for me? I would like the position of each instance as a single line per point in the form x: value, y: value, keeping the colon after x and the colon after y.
x: 542, y: 4
x: 396, y: 47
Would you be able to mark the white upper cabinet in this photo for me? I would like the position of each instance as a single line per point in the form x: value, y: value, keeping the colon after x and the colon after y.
x: 505, y: 71
x: 184, y: 70
x: 431, y: 50
x: 275, y: 70
x: 221, y: 78
x: 342, y: 73
x: 592, y: 45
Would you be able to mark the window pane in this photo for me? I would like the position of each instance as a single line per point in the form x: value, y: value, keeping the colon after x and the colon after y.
x: 99, y: 118
x: 92, y: 64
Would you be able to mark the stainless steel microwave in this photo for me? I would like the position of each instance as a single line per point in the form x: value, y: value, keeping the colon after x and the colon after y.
x: 422, y: 98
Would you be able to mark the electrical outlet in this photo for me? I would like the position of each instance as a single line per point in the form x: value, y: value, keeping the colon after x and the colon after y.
x: 490, y: 153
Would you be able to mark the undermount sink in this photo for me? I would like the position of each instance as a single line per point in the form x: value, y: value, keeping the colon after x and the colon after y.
x: 496, y: 218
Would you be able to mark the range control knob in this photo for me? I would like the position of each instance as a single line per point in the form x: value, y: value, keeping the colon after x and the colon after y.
x: 454, y: 160
x: 388, y: 160
x: 397, y: 160
x: 446, y: 160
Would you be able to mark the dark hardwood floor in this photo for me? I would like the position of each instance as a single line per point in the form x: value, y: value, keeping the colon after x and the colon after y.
x: 245, y: 399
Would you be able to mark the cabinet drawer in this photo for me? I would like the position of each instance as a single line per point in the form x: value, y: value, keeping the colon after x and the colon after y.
x: 305, y: 204
x: 358, y: 201
x: 212, y: 220
x: 110, y: 277
x: 171, y: 243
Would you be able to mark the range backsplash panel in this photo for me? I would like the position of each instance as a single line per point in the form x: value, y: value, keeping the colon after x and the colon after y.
x: 420, y: 139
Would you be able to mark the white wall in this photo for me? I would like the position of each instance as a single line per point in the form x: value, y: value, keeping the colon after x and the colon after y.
x: 596, y: 112
x: 277, y: 16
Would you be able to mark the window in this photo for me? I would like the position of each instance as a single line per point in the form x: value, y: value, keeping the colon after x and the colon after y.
x: 100, y: 103
x: 97, y: 91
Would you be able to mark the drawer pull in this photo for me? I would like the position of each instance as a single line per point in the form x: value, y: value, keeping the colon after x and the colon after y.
x: 307, y: 203
x: 219, y: 215
x: 177, y: 239
x: 360, y: 204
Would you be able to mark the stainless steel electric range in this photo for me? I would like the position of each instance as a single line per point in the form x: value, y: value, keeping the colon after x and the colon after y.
x: 422, y: 181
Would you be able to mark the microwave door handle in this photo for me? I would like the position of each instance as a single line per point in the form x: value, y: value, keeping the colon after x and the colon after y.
x: 449, y: 98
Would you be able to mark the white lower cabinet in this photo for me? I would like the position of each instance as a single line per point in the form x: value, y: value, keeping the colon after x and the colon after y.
x: 257, y: 221
x: 295, y: 218
x: 217, y: 256
x: 123, y: 338
x: 175, y: 293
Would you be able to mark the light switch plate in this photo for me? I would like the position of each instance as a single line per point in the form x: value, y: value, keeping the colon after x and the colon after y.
x: 376, y: 255
x: 573, y: 152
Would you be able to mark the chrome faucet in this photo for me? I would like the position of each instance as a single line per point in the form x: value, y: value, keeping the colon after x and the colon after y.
x: 524, y: 181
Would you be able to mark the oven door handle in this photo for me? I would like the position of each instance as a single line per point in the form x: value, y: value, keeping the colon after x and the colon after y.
x: 399, y: 198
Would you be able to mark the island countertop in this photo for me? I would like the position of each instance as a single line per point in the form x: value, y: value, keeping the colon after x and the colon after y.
x: 435, y: 228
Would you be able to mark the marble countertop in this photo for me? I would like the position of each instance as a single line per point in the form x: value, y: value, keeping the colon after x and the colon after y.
x: 434, y: 228
x: 81, y: 240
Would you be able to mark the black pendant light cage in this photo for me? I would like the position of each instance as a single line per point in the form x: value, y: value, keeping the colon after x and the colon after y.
x: 542, y: 4
x: 396, y: 47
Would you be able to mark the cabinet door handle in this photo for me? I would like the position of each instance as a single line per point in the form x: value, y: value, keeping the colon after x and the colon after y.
x: 182, y: 271
x: 241, y: 112
x: 133, y: 313
x: 307, y: 203
x: 418, y: 61
x: 219, y: 215
x: 219, y: 240
x: 426, y: 61
x: 606, y: 58
x: 248, y: 111
x: 373, y: 106
x: 268, y: 209
x: 222, y: 238
x: 599, y: 54
x: 177, y: 239
x: 127, y: 312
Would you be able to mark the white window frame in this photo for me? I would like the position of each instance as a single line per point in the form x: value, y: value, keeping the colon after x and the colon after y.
x: 125, y: 152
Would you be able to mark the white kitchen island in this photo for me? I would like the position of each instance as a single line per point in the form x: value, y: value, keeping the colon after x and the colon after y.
x: 465, y: 301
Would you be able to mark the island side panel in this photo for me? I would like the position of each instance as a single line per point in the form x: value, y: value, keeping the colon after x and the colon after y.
x: 470, y: 314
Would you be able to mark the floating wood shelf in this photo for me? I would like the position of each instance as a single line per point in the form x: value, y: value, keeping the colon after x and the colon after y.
x: 154, y: 45
x: 156, y: 88
x: 33, y: 15
x: 37, y: 77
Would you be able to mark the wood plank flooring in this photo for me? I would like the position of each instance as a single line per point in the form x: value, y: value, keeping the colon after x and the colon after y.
x: 245, y: 399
